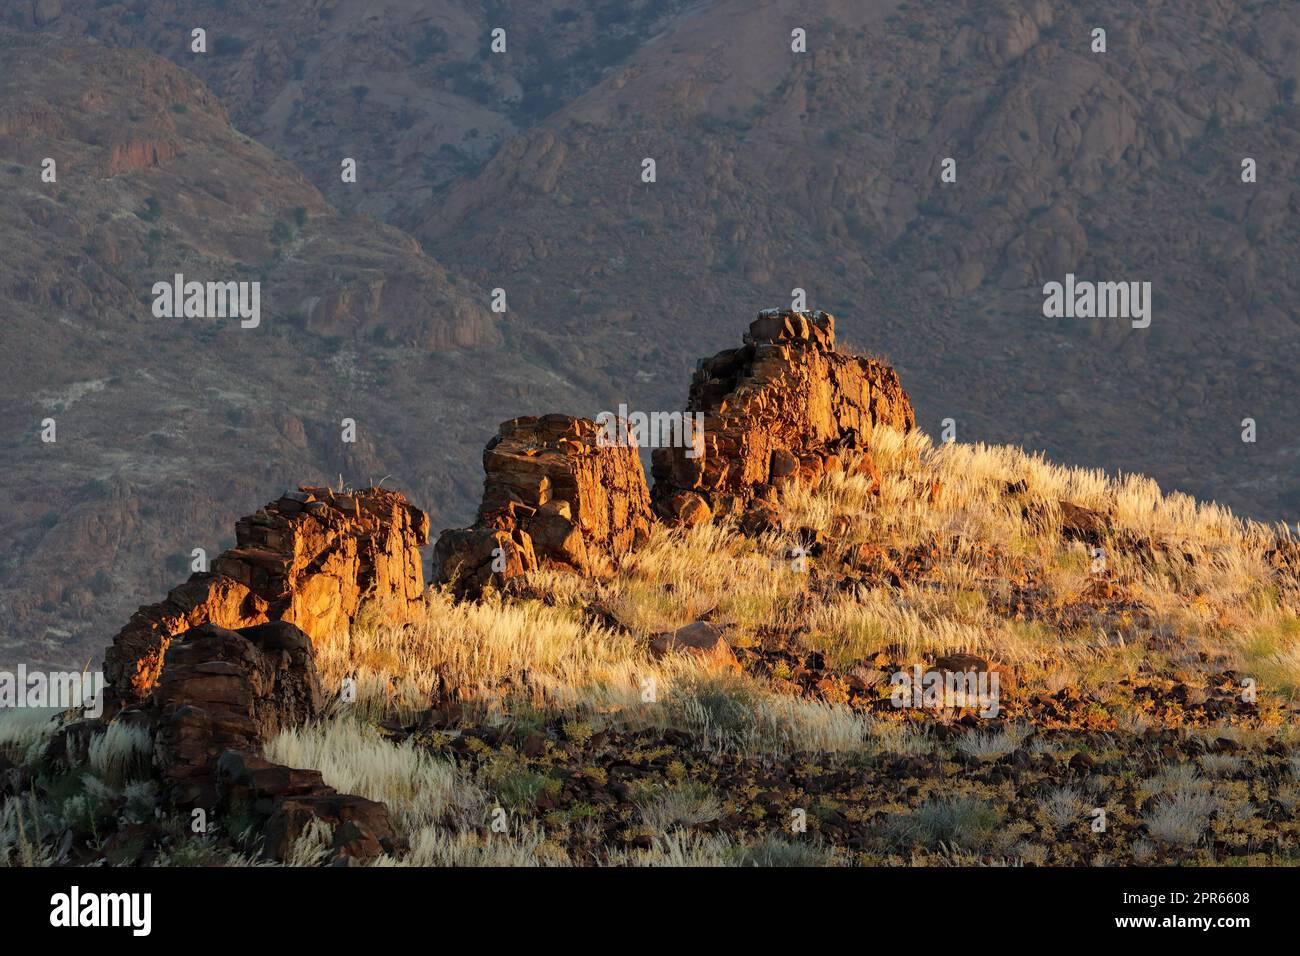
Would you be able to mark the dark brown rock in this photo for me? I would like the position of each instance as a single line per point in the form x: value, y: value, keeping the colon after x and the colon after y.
x: 701, y: 639
x: 362, y: 828
x: 760, y: 517
x: 961, y: 663
x: 221, y: 697
x: 249, y: 780
x: 223, y: 690
x: 1084, y: 524
x: 1285, y: 557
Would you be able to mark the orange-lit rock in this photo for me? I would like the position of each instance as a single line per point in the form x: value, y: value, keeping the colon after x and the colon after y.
x: 311, y: 558
x: 552, y: 495
x: 785, y: 407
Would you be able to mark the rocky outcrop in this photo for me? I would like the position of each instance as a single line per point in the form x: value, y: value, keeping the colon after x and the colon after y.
x: 553, y: 494
x: 224, y: 690
x: 312, y: 557
x: 221, y: 697
x: 785, y: 407
x: 136, y: 153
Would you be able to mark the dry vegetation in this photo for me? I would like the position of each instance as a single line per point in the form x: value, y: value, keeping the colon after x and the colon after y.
x: 1126, y: 677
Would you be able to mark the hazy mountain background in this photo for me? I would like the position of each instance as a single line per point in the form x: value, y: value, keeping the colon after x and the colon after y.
x: 521, y: 171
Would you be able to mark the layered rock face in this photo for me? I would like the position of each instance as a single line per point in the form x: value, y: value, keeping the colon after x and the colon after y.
x: 553, y: 495
x: 228, y: 690
x: 221, y: 697
x: 786, y: 406
x: 311, y: 558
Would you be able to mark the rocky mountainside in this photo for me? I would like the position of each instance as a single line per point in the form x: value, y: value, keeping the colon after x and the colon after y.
x: 822, y: 171
x: 164, y: 427
x: 407, y: 86
x: 775, y: 170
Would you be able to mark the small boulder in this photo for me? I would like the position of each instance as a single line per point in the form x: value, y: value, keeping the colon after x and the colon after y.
x: 961, y: 663
x: 689, y: 509
x: 760, y: 518
x: 784, y: 464
x: 701, y: 639
x: 228, y: 690
x: 362, y: 829
x: 1083, y: 524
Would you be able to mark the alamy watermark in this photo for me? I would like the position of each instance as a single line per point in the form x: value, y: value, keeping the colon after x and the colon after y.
x: 652, y: 430
x: 179, y: 299
x: 1098, y: 300
x: 55, y: 689
x: 133, y: 911
x: 943, y: 689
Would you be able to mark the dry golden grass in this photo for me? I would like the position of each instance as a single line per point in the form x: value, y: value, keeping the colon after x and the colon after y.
x: 1194, y: 585
x: 354, y: 758
x: 1189, y: 593
x: 1205, y: 583
x: 1202, y: 582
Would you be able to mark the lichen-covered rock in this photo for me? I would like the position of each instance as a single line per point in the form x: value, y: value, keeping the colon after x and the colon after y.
x: 553, y: 494
x: 312, y: 558
x: 785, y: 407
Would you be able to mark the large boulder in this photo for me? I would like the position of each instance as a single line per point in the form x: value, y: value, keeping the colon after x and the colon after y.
x: 226, y: 690
x: 222, y: 696
x: 785, y: 407
x: 554, y: 494
x: 312, y: 557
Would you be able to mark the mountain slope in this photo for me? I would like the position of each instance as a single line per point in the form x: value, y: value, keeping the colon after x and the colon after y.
x: 405, y: 86
x: 822, y: 171
x: 165, y: 427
